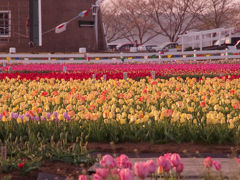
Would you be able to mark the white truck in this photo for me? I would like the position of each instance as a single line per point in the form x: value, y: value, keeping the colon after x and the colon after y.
x: 215, y: 39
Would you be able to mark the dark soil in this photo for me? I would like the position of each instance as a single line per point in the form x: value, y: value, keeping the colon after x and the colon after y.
x: 56, y: 168
x: 185, y: 149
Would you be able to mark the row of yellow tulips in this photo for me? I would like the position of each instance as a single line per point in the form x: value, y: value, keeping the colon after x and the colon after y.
x: 210, y: 100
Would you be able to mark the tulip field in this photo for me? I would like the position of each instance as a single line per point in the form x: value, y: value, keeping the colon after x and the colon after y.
x: 198, y: 103
x: 57, y: 113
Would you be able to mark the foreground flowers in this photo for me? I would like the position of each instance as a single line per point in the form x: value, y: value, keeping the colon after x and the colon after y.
x: 208, y: 163
x: 169, y: 166
x: 121, y: 168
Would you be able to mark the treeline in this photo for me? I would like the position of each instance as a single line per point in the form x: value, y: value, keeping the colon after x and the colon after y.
x: 142, y: 20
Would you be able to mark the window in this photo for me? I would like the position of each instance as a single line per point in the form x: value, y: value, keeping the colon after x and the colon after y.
x: 5, y: 23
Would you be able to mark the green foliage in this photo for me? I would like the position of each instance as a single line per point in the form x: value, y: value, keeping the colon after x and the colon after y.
x: 34, y: 142
x: 24, y: 138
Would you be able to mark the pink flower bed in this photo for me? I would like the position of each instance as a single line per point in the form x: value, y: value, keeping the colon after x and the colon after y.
x: 170, y: 69
x: 85, y: 71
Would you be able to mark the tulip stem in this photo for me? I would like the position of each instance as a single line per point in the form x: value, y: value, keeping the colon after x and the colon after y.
x: 209, y: 174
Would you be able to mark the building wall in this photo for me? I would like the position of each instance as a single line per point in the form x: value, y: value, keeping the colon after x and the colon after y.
x: 19, y: 31
x: 54, y: 12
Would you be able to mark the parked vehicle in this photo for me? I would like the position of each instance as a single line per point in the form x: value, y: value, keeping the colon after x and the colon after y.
x: 112, y: 47
x: 124, y: 47
x: 214, y: 39
x: 237, y: 45
x: 142, y: 48
x: 228, y: 42
x: 167, y: 47
x: 149, y: 48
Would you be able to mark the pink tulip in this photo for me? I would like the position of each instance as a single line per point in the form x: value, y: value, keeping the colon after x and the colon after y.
x: 123, y: 162
x: 175, y: 159
x: 208, y: 162
x: 97, y: 177
x: 116, y: 172
x: 165, y: 163
x: 126, y: 174
x: 83, y: 177
x: 179, y: 168
x: 102, y: 172
x: 108, y: 161
x: 217, y: 165
x: 140, y: 169
x: 238, y: 160
x: 168, y: 156
x: 150, y: 165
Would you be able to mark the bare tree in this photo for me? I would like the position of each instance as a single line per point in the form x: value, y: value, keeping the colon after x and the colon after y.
x: 129, y: 19
x: 143, y: 20
x: 174, y: 17
x: 235, y: 16
x: 113, y: 27
x: 216, y: 14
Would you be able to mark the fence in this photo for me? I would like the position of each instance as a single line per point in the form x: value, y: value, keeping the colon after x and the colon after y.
x: 121, y: 57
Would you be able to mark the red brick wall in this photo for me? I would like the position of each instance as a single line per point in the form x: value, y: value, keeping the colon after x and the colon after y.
x: 19, y: 33
x: 54, y: 12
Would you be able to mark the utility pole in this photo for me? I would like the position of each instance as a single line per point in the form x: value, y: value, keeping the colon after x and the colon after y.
x: 35, y: 14
x: 95, y: 9
x: 40, y: 22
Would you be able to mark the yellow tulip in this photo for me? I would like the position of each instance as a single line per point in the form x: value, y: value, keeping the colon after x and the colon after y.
x: 124, y: 115
x: 123, y: 121
x: 4, y: 119
x: 60, y: 117
x: 19, y: 120
x: 121, y: 101
x: 25, y: 119
x: 231, y: 125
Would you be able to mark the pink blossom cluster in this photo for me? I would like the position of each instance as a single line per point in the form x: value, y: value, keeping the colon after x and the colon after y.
x: 161, y: 69
x: 209, y: 162
x: 121, y: 167
x: 169, y: 161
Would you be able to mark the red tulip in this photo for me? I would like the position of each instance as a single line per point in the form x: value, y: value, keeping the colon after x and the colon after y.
x: 21, y: 165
